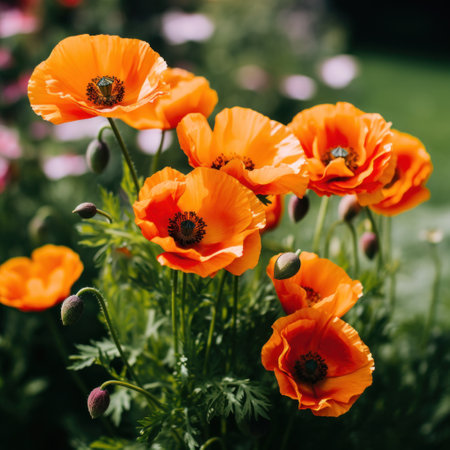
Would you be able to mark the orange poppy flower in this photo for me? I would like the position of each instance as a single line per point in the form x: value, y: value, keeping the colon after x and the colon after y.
x: 40, y: 282
x: 274, y: 212
x: 319, y: 284
x: 406, y: 189
x: 318, y: 360
x: 205, y: 221
x: 348, y: 151
x: 187, y: 94
x: 261, y: 153
x: 87, y: 76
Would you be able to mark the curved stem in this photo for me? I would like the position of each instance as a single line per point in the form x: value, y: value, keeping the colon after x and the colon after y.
x: 320, y: 222
x: 329, y: 236
x: 105, y: 214
x: 213, y: 321
x: 100, y: 132
x: 155, y: 159
x: 149, y: 395
x: 211, y: 441
x: 174, y: 311
x: 355, y: 247
x: 125, y: 153
x: 104, y: 309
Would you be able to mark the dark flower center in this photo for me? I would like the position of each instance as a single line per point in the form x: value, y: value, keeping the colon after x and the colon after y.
x: 105, y: 91
x: 348, y: 154
x: 311, y: 295
x: 186, y: 228
x: 310, y: 368
x: 223, y: 160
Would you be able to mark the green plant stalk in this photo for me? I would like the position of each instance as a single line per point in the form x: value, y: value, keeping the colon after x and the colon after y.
x: 174, y: 311
x: 105, y: 214
x: 125, y: 153
x: 109, y: 324
x: 330, y: 233
x: 320, y: 223
x: 355, y: 247
x: 155, y: 160
x: 100, y: 132
x: 213, y: 321
x: 234, y: 319
x: 149, y: 395
x: 182, y: 308
x: 434, y: 294
x: 211, y: 441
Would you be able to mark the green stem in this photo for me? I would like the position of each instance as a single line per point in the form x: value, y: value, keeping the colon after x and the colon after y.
x: 434, y: 294
x: 211, y: 441
x: 330, y: 235
x: 355, y: 247
x: 125, y: 153
x: 320, y: 223
x: 104, y: 309
x: 105, y: 214
x: 100, y: 132
x: 213, y: 321
x: 377, y: 235
x: 155, y: 159
x: 174, y: 311
x: 149, y: 395
x: 235, y: 314
x: 182, y: 307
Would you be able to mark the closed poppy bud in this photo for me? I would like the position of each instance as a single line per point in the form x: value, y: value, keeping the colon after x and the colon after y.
x: 71, y: 310
x: 298, y: 208
x: 286, y: 266
x: 97, y: 156
x: 86, y: 210
x: 349, y: 208
x: 98, y: 402
x: 369, y: 244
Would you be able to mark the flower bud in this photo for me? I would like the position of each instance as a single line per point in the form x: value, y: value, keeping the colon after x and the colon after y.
x: 369, y: 244
x: 298, y: 208
x: 71, y: 310
x: 97, y: 156
x: 349, y: 208
x: 98, y: 402
x: 286, y: 266
x: 86, y: 210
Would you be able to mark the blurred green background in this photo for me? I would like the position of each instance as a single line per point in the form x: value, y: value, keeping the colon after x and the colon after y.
x: 275, y: 56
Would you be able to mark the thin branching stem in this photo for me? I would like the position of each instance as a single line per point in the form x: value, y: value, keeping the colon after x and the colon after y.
x: 125, y: 153
x: 330, y: 233
x: 101, y: 131
x: 234, y: 318
x: 182, y: 308
x: 352, y: 230
x: 212, y: 441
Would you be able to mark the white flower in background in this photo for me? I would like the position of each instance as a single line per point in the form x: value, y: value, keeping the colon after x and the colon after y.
x: 148, y: 140
x: 179, y: 27
x: 338, y: 71
x: 56, y: 167
x: 79, y: 129
x: 298, y: 87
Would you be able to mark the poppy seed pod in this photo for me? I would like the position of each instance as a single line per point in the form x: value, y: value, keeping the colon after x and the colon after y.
x: 286, y: 266
x: 97, y: 156
x: 298, y: 208
x: 348, y: 208
x: 71, y: 310
x: 98, y: 402
x: 86, y: 210
x: 369, y: 244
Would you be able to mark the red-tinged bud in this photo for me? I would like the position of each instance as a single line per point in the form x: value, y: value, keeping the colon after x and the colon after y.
x: 98, y: 402
x: 86, y: 210
x: 369, y: 244
x: 298, y: 208
x: 97, y: 156
x: 349, y: 208
x: 286, y: 266
x: 71, y: 310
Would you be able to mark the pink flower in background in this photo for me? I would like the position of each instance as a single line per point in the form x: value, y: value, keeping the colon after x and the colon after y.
x: 16, y: 21
x: 79, y: 129
x: 4, y: 172
x: 9, y: 143
x: 148, y: 140
x: 5, y: 58
x: 339, y: 71
x: 16, y: 90
x: 179, y: 27
x: 61, y: 166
